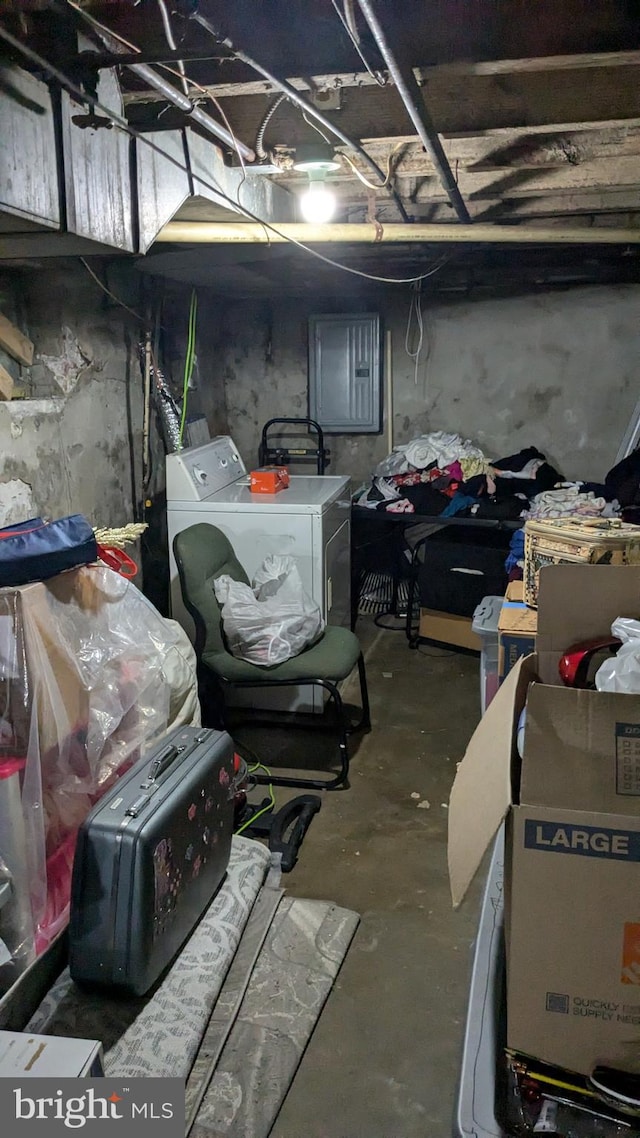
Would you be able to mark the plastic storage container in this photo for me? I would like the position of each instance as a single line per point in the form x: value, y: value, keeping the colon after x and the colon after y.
x: 485, y: 1029
x: 485, y: 625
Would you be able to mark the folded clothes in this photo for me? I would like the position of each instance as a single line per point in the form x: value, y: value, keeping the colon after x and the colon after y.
x: 567, y: 501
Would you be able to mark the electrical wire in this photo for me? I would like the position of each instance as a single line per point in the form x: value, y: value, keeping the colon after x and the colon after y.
x: 375, y: 75
x: 258, y: 145
x: 415, y: 309
x: 181, y: 74
x: 189, y: 359
x: 315, y: 127
x: 265, y: 809
x: 351, y: 163
x: 365, y: 181
x: 109, y: 293
x: 122, y: 123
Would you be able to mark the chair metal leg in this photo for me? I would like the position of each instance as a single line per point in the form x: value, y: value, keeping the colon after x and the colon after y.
x: 365, y: 722
x: 212, y: 701
x: 312, y: 783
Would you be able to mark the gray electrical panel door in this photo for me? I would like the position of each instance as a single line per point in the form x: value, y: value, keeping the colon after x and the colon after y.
x: 345, y: 389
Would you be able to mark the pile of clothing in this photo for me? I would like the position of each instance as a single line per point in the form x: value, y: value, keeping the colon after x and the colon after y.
x: 443, y: 475
x: 573, y: 500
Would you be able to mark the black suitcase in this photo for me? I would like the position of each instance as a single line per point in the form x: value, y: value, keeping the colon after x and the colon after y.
x: 149, y: 859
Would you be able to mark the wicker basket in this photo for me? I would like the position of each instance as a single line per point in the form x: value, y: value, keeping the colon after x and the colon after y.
x: 576, y: 541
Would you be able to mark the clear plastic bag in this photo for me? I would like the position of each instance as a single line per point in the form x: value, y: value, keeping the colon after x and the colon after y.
x: 90, y: 673
x: 621, y: 673
x: 273, y: 621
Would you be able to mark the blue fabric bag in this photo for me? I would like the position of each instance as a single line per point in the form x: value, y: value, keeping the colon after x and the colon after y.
x: 36, y: 550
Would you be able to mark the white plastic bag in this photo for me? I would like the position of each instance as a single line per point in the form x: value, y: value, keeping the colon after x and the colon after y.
x: 273, y: 621
x: 621, y: 673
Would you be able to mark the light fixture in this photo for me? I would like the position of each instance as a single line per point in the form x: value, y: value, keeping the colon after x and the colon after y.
x: 316, y: 160
x: 317, y: 204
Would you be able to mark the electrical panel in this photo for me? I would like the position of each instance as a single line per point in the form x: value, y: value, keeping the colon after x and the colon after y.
x: 345, y: 383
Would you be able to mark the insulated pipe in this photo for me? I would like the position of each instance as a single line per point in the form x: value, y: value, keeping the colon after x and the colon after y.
x: 151, y: 77
x: 230, y: 233
x: 301, y: 102
x: 409, y: 92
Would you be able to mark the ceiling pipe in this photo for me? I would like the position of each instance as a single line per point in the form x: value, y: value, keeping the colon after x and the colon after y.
x: 230, y: 233
x: 168, y: 31
x: 411, y: 96
x: 300, y: 101
x: 177, y: 98
x: 151, y: 77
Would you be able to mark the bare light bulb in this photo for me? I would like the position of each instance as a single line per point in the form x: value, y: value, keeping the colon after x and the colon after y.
x: 318, y: 204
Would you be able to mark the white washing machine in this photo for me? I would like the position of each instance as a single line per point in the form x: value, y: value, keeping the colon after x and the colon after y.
x: 311, y: 521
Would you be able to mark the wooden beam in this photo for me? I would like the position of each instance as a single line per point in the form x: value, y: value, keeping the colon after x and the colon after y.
x: 560, y: 145
x: 619, y: 208
x: 341, y: 80
x: 6, y: 384
x: 476, y: 184
x: 457, y: 105
x: 13, y: 342
x: 601, y: 174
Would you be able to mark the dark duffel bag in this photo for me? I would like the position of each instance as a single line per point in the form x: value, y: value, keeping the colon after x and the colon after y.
x: 36, y: 550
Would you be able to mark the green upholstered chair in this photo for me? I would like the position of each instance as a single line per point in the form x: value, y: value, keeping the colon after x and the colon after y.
x: 203, y: 554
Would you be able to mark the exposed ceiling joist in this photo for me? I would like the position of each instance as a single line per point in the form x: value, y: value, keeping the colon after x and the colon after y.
x: 423, y: 75
x: 527, y: 181
x: 462, y: 106
x: 559, y: 145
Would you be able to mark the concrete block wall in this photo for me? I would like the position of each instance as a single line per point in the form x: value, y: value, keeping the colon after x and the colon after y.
x: 558, y: 370
x: 74, y: 443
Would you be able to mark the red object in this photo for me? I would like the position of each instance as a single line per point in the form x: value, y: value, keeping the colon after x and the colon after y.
x: 117, y: 559
x: 9, y: 767
x: 269, y: 479
x: 575, y: 662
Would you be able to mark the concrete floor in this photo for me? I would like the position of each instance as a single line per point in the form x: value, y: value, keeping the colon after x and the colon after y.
x: 383, y: 1061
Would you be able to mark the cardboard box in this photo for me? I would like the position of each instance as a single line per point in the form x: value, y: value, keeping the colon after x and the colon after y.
x: 448, y: 629
x: 572, y: 876
x: 268, y: 479
x: 517, y: 625
x: 25, y: 1055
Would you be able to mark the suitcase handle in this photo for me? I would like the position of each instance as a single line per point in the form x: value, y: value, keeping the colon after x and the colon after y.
x: 163, y: 761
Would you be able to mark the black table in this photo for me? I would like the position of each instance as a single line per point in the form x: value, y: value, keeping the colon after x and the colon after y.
x: 378, y: 543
